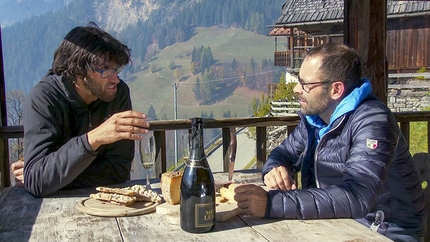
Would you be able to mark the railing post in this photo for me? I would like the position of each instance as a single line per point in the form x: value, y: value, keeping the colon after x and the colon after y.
x: 405, y: 128
x: 225, y: 145
x: 160, y: 155
x: 261, y: 144
x: 4, y: 144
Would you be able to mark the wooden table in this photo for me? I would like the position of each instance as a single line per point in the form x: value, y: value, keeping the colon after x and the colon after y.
x: 25, y: 218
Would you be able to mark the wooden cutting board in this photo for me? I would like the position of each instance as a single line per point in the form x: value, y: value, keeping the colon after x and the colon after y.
x: 100, y: 208
x: 224, y: 211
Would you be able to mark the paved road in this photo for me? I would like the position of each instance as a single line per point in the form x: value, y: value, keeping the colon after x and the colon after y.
x: 245, y: 152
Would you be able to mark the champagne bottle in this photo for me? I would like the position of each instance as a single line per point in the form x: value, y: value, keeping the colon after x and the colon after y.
x: 197, y: 209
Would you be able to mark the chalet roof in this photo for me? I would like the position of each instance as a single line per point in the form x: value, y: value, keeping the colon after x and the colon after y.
x: 297, y: 13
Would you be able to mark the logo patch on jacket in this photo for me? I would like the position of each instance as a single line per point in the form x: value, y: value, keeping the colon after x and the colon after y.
x: 372, y: 144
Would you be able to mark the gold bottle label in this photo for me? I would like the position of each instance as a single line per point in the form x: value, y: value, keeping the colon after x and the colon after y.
x: 205, y: 215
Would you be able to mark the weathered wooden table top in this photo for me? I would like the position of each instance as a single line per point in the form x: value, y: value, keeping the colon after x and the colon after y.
x: 55, y: 218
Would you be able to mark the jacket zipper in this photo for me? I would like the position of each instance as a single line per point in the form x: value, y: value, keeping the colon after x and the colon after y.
x: 90, y: 121
x: 316, y: 150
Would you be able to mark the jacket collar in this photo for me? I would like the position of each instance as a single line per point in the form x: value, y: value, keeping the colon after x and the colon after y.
x: 66, y: 87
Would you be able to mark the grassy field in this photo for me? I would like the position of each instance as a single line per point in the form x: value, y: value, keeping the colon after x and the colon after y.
x: 418, y: 136
x: 157, y: 89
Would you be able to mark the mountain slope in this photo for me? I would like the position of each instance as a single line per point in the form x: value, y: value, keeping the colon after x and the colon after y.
x: 157, y: 89
x: 158, y: 32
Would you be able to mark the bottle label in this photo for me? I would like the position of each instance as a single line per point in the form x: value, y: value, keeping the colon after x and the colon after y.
x: 196, y: 164
x: 205, y: 215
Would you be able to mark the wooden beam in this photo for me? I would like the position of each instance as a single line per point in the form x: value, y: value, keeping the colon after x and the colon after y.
x: 160, y: 153
x: 225, y: 146
x: 261, y: 136
x: 4, y: 147
x: 365, y: 24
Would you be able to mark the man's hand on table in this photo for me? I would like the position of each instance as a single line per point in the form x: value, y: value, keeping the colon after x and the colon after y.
x: 252, y: 199
x: 17, y: 169
x: 279, y: 178
x: 124, y: 125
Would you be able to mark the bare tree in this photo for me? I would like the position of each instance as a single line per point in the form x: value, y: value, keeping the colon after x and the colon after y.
x: 15, y: 105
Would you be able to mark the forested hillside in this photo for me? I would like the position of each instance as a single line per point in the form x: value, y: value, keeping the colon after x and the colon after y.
x: 12, y: 11
x: 28, y: 46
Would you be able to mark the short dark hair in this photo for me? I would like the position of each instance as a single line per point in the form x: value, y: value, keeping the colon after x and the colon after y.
x: 88, y: 47
x: 338, y: 63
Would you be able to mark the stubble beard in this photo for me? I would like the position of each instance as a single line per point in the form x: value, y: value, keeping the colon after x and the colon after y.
x: 316, y: 105
x: 97, y: 90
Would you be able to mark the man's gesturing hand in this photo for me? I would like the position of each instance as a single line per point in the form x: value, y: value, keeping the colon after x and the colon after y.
x: 252, y: 199
x: 279, y: 178
x: 124, y: 125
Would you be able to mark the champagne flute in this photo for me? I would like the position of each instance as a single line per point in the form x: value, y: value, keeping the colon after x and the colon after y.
x: 185, y: 144
x: 147, y: 155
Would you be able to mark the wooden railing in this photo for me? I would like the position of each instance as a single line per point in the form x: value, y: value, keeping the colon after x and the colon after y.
x: 160, y: 128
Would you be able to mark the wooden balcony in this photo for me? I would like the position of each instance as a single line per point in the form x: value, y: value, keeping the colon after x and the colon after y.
x: 290, y: 60
x: 160, y: 128
x: 282, y: 58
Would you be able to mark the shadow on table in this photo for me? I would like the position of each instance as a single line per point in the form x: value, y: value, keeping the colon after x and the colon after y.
x: 17, y: 221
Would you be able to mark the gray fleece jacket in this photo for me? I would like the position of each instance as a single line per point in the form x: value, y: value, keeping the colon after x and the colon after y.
x: 56, y: 150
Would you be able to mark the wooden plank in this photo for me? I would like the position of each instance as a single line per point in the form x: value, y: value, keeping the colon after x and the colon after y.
x: 161, y: 153
x: 225, y: 146
x: 405, y: 129
x: 4, y: 164
x: 3, y: 111
x: 284, y: 109
x: 314, y: 230
x: 365, y: 31
x: 426, y: 75
x: 275, y: 103
x: 4, y: 147
x: 25, y: 218
x: 151, y: 226
x: 261, y: 144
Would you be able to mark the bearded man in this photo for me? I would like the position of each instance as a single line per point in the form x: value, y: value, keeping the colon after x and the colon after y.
x: 79, y: 126
x: 353, y: 159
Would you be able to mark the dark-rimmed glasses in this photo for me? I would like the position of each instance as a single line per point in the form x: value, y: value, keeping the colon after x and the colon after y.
x: 305, y: 85
x: 106, y: 73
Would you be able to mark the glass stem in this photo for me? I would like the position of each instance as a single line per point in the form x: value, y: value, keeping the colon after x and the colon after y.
x: 148, y: 186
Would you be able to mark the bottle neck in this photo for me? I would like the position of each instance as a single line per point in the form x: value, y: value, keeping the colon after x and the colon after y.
x: 197, y: 153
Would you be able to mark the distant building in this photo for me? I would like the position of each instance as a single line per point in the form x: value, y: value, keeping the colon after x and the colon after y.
x: 308, y: 23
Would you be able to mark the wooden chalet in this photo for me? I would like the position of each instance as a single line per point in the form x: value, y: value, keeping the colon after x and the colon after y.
x: 308, y: 23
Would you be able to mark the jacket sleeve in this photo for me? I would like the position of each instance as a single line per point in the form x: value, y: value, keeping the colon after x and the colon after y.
x: 289, y: 152
x: 50, y: 164
x: 362, y: 175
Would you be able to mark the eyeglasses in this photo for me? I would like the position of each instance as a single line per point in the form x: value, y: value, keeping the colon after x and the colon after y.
x: 305, y: 85
x: 106, y: 73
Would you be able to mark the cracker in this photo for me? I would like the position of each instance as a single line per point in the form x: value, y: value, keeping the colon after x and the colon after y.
x: 145, y: 195
x: 123, y: 191
x: 114, y: 198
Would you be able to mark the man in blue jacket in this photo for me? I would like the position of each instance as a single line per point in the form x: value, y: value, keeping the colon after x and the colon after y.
x: 79, y: 126
x: 353, y: 159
